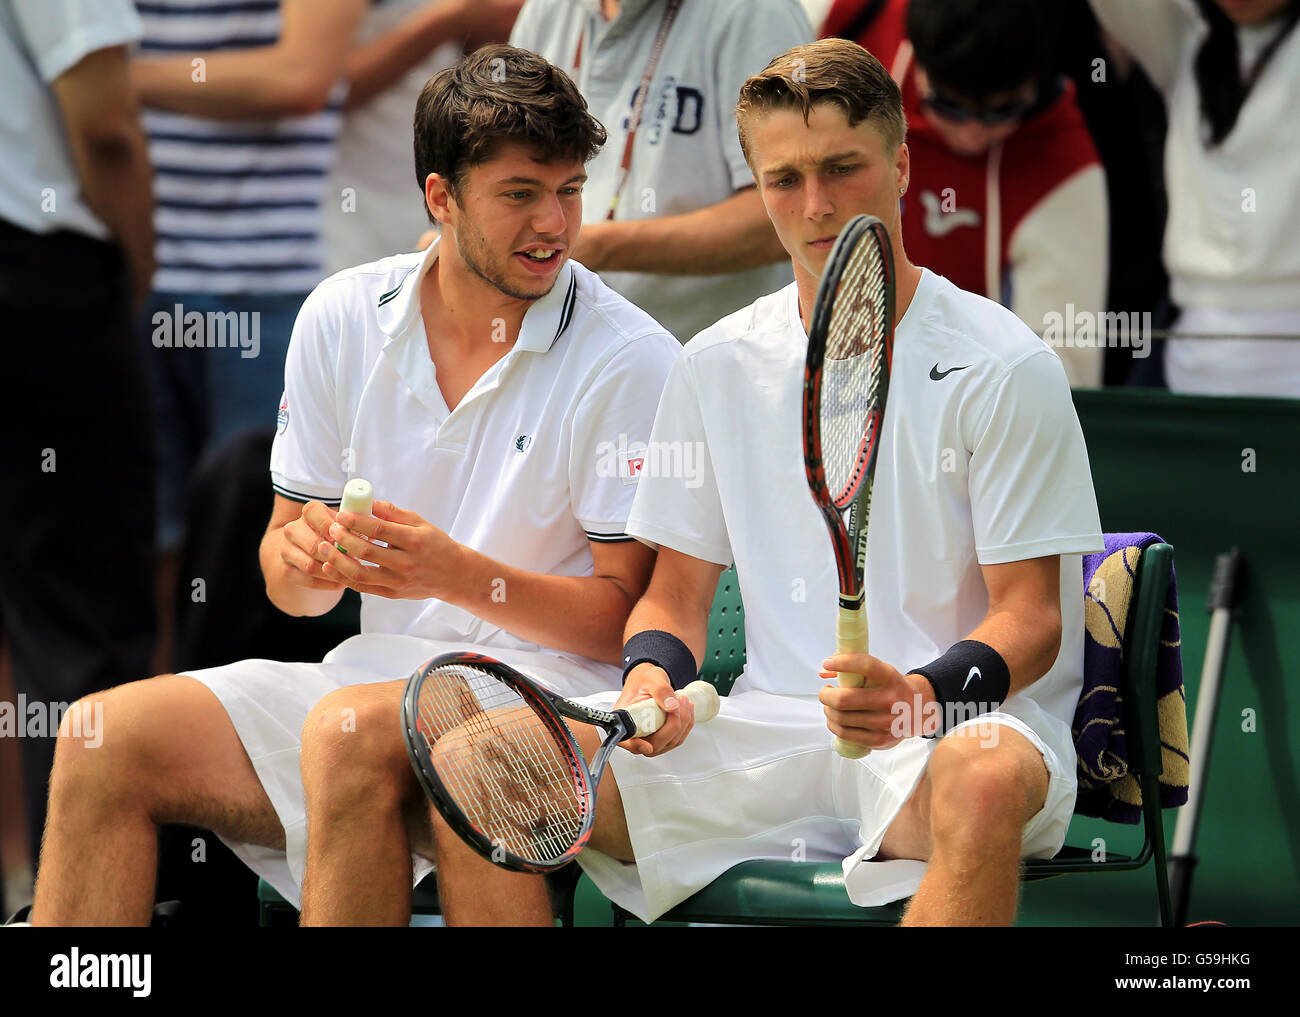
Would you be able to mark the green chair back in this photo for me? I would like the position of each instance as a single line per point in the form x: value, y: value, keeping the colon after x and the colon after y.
x: 724, y: 657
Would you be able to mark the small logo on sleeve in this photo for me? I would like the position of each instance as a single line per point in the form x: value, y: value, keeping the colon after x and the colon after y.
x: 630, y: 465
x: 282, y: 415
x: 631, y: 460
x: 522, y: 442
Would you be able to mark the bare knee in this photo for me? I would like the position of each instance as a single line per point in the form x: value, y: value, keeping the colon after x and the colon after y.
x: 105, y: 741
x: 353, y: 753
x: 985, y: 790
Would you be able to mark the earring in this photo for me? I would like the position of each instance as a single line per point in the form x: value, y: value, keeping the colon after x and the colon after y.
x: 902, y: 190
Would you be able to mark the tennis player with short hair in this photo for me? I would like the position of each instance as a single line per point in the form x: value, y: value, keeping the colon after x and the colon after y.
x: 485, y: 387
x: 983, y: 503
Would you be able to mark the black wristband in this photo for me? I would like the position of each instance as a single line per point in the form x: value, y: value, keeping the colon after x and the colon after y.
x: 663, y: 649
x: 969, y: 680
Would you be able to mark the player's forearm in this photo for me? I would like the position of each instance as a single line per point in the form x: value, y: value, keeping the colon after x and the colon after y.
x: 577, y: 614
x: 252, y: 84
x: 672, y: 611
x: 730, y: 236
x: 284, y: 591
x: 1026, y: 635
x: 381, y: 63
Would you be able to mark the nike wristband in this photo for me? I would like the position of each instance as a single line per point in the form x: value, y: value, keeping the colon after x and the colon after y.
x: 663, y: 650
x: 969, y: 680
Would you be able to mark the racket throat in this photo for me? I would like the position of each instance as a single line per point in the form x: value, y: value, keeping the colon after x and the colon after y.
x: 854, y: 603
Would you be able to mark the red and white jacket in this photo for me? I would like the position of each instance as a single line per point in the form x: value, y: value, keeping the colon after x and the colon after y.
x: 1024, y: 224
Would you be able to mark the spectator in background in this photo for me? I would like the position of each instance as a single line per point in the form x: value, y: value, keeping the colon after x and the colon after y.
x: 76, y: 252
x: 673, y: 222
x: 1126, y: 119
x: 1008, y: 197
x: 369, y: 211
x: 245, y: 106
x: 1229, y: 71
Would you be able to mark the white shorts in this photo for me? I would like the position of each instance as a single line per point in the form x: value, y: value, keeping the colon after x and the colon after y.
x: 762, y: 780
x: 268, y: 702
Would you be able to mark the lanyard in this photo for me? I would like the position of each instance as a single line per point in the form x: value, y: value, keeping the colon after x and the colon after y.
x: 671, y: 9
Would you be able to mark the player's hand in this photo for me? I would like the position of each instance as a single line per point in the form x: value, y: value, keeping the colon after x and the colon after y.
x: 891, y: 706
x: 420, y: 562
x: 300, y: 547
x: 650, y: 682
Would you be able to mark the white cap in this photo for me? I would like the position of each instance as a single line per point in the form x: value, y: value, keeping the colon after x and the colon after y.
x: 358, y: 497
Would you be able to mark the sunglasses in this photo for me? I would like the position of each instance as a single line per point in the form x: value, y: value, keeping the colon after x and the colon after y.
x: 989, y: 116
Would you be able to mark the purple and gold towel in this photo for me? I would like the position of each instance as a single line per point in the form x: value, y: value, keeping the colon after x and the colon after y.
x: 1107, y: 788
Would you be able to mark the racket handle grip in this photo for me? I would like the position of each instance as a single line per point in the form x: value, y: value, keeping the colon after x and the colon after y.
x: 358, y: 497
x: 851, y: 637
x: 648, y: 718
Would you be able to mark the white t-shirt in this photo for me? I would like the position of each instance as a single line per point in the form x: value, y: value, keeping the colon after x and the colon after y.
x: 40, y: 40
x: 687, y: 152
x: 373, y: 203
x: 984, y: 466
x: 526, y: 468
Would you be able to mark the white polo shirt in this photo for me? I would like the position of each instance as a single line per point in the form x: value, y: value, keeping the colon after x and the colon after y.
x: 687, y: 152
x: 984, y: 466
x: 525, y: 469
x: 39, y: 41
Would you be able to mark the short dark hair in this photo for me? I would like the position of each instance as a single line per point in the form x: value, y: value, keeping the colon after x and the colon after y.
x: 979, y: 48
x: 496, y: 95
x: 829, y: 70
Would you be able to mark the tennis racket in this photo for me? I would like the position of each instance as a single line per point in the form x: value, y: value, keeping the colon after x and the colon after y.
x: 493, y: 752
x: 846, y: 378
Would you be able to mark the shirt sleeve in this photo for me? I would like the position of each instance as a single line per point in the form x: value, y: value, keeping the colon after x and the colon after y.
x: 1030, y: 484
x: 59, y: 33
x: 610, y: 431
x: 1049, y: 276
x: 747, y: 42
x: 308, y: 460
x: 527, y: 30
x: 1152, y: 30
x: 677, y: 502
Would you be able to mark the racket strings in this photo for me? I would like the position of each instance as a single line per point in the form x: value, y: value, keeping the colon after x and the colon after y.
x: 853, y: 370
x: 506, y: 771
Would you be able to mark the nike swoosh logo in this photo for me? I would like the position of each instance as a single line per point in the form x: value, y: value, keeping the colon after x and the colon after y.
x: 937, y: 375
x: 939, y: 223
x: 974, y: 672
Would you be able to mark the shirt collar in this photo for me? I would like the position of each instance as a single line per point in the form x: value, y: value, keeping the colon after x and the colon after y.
x: 544, y: 322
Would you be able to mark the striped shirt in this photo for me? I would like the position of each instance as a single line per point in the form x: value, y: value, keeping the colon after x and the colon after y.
x: 239, y: 203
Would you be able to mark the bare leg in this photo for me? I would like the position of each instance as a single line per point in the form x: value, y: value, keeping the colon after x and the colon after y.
x: 965, y: 818
x: 476, y: 892
x: 365, y: 810
x: 150, y: 752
